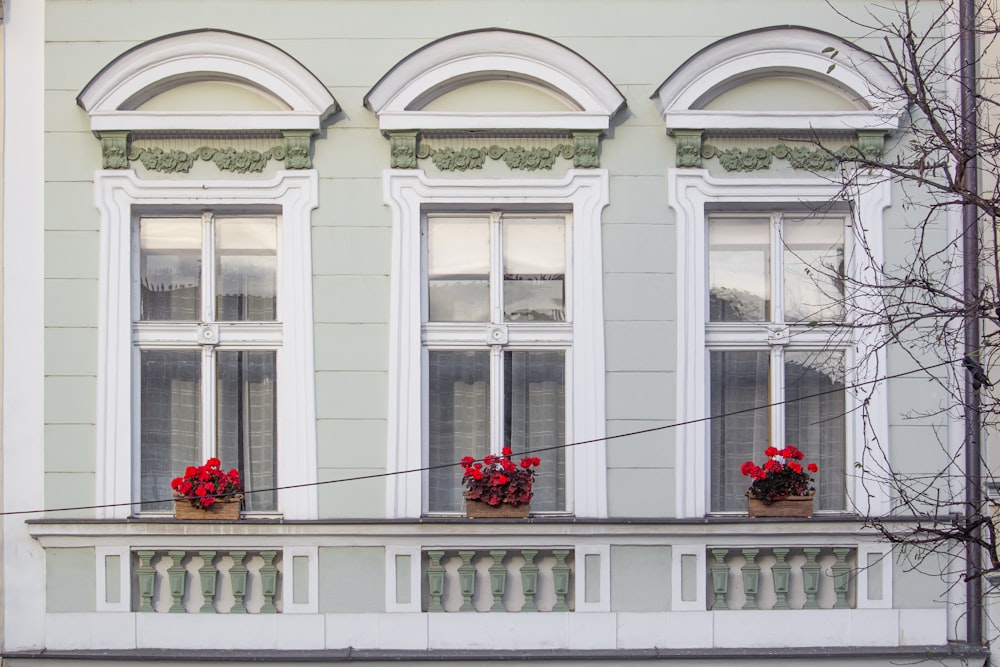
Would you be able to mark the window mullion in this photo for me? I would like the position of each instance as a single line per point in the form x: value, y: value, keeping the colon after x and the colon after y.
x: 777, y: 314
x: 208, y: 401
x: 777, y: 395
x: 496, y: 316
x: 497, y: 398
x: 496, y: 267
x: 207, y: 267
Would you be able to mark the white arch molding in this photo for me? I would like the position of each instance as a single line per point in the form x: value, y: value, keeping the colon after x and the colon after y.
x: 113, y: 96
x: 781, y: 51
x: 494, y: 54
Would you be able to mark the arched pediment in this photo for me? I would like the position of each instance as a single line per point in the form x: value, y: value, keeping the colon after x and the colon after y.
x: 864, y: 90
x: 122, y: 96
x: 404, y: 98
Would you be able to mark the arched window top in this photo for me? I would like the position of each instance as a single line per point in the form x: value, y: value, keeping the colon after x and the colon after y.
x: 288, y: 96
x: 584, y: 99
x: 860, y: 92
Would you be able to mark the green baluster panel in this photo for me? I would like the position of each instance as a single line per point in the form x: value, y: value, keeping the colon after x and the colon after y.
x: 720, y: 578
x: 779, y: 575
x: 560, y: 578
x: 238, y: 580
x: 751, y: 577
x: 176, y: 576
x: 810, y: 577
x: 466, y: 579
x: 498, y: 579
x: 269, y: 581
x: 435, y: 580
x: 147, y: 579
x: 529, y: 579
x: 208, y: 575
x: 841, y: 577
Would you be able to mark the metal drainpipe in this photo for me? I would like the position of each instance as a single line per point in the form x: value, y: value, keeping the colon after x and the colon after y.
x: 970, y: 250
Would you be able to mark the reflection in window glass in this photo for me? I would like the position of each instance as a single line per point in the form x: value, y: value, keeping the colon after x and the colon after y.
x: 458, y: 269
x: 170, y: 269
x: 534, y: 266
x: 739, y: 260
x: 246, y: 269
x: 814, y: 269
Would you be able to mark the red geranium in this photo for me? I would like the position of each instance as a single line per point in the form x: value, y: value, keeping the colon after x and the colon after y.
x: 498, y: 480
x: 780, y: 476
x: 203, y: 485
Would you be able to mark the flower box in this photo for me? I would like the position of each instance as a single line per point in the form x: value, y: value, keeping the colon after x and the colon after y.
x: 223, y: 509
x: 477, y: 509
x: 797, y: 507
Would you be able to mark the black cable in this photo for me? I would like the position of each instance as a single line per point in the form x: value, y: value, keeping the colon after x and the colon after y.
x: 567, y: 445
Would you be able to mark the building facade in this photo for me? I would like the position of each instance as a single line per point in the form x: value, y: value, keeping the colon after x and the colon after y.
x: 342, y: 245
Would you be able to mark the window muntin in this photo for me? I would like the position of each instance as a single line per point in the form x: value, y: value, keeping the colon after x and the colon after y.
x: 775, y: 296
x: 196, y: 273
x: 503, y: 381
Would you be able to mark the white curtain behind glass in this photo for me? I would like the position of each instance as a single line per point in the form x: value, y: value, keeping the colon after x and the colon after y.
x: 458, y: 421
x: 170, y: 423
x: 535, y: 418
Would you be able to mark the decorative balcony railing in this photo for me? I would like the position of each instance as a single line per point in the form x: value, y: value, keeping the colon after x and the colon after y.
x: 498, y: 580
x: 208, y: 581
x: 785, y: 577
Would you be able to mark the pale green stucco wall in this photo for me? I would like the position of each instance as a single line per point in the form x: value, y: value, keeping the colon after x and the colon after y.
x: 349, y: 45
x: 70, y: 579
x: 351, y: 579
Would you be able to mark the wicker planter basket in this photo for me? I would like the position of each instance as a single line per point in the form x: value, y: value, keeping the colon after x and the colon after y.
x: 797, y: 507
x: 223, y: 509
x: 477, y: 509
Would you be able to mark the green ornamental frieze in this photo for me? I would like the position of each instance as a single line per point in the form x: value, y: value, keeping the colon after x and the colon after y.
x: 515, y: 157
x: 806, y: 155
x: 225, y: 159
x: 798, y: 157
x: 117, y: 151
x: 406, y: 148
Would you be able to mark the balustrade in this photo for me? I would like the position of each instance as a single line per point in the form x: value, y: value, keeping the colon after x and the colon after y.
x: 208, y: 581
x: 498, y: 580
x: 782, y: 578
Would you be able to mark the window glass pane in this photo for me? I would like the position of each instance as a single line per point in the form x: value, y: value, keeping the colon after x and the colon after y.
x: 535, y: 418
x: 247, y: 427
x: 170, y: 269
x: 246, y: 269
x: 816, y: 423
x: 458, y: 420
x: 739, y: 260
x: 170, y: 421
x: 458, y: 269
x: 534, y: 269
x: 814, y: 266
x: 739, y: 380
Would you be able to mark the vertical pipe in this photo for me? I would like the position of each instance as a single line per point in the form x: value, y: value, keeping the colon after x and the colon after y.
x: 970, y: 250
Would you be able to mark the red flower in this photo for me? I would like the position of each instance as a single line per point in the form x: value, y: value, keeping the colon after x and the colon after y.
x: 771, y: 451
x: 794, y: 466
x: 506, y: 451
x: 467, y: 460
x: 213, y: 462
x: 772, y: 466
x: 813, y: 467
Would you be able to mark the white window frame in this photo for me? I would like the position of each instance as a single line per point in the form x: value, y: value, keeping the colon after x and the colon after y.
x: 208, y: 336
x: 777, y: 338
x: 690, y: 193
x: 120, y: 195
x: 409, y: 194
x: 498, y: 336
